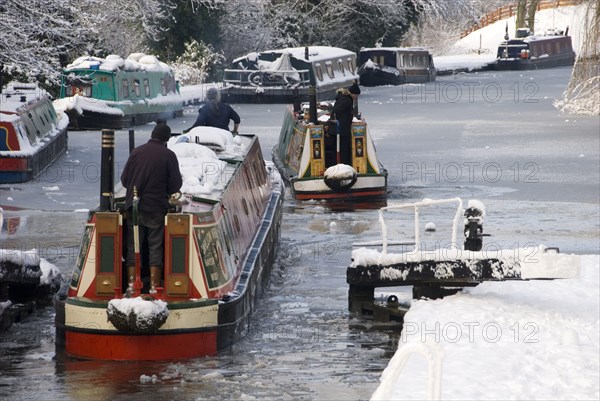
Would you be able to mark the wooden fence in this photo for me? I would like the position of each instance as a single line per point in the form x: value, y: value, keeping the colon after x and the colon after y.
x: 510, y: 10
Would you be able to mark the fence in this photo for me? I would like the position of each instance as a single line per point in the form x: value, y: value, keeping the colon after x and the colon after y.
x: 510, y: 10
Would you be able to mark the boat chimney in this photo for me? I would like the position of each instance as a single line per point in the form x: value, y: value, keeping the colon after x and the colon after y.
x: 312, y: 100
x: 567, y: 31
x: 1, y: 74
x: 107, y: 170
x: 306, y: 53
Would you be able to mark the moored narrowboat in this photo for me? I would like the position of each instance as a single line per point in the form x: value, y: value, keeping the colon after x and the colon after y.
x: 221, y: 239
x: 308, y: 157
x: 285, y: 75
x: 115, y: 93
x: 395, y: 66
x: 32, y: 133
x: 531, y: 52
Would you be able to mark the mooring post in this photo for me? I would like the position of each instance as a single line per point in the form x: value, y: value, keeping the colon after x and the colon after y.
x: 107, y: 170
x: 131, y: 140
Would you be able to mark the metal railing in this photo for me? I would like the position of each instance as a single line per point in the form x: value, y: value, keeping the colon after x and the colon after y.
x: 433, y: 353
x: 415, y: 206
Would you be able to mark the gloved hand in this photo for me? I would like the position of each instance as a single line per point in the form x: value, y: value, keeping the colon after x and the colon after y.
x: 185, y: 131
x: 234, y: 132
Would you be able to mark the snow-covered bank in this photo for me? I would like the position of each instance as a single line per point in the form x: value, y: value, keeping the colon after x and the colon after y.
x: 479, y: 48
x: 505, y: 340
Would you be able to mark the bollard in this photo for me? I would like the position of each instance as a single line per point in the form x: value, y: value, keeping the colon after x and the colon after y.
x: 107, y: 170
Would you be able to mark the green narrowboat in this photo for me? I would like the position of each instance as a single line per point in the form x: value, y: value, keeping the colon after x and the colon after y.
x: 117, y: 93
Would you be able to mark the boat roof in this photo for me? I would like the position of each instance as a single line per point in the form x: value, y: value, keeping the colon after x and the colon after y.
x: 113, y: 62
x: 395, y: 49
x: 17, y: 95
x: 207, y: 158
x: 534, y: 38
x: 315, y: 53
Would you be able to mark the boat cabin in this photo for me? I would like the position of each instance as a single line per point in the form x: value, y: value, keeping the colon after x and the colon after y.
x: 285, y: 75
x: 117, y: 93
x: 395, y: 66
x: 535, y: 52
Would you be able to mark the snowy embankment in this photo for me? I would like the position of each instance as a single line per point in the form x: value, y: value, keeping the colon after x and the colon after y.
x: 478, y: 49
x: 504, y: 340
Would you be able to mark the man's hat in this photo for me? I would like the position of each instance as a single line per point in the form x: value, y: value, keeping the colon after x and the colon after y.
x: 162, y: 132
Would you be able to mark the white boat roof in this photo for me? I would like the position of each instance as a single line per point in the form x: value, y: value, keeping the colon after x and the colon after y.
x: 17, y: 95
x: 394, y: 49
x: 315, y: 53
x: 113, y: 62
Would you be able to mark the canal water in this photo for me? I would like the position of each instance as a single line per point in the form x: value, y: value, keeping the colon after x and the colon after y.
x: 536, y: 171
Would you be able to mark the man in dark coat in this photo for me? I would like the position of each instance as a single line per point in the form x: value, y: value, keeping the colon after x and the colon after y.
x: 342, y: 113
x: 153, y: 170
x: 354, y: 90
x: 214, y: 113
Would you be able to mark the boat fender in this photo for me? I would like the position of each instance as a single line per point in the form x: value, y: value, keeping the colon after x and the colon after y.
x: 140, y: 315
x: 340, y: 182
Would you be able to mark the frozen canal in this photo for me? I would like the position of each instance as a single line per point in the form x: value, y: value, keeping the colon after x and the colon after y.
x: 492, y: 136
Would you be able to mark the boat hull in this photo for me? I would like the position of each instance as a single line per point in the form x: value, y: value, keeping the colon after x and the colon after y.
x: 195, y: 327
x: 365, y: 188
x: 92, y: 120
x: 534, y: 64
x: 15, y: 169
x: 379, y: 77
x: 255, y: 95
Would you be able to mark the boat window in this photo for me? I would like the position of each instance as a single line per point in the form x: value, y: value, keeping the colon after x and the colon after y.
x: 350, y: 65
x: 137, y: 89
x: 245, y: 205
x: 146, y: 87
x: 125, y: 86
x: 318, y: 71
x: 163, y: 86
x: 341, y: 66
x: 329, y: 68
x: 557, y: 47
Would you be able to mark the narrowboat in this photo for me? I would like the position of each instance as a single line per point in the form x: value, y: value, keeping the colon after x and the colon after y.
x: 308, y: 158
x: 32, y: 133
x: 533, y: 52
x: 284, y: 76
x: 115, y: 93
x: 395, y: 66
x: 221, y: 239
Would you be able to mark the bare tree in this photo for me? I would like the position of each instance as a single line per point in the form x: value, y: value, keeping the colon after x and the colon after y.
x: 525, y: 17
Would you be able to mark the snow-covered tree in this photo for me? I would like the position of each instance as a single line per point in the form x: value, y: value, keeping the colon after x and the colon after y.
x: 440, y: 25
x: 583, y: 93
x: 198, y: 62
x: 39, y: 37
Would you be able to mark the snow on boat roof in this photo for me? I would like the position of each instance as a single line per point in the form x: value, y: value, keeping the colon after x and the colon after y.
x: 394, y: 49
x: 205, y: 155
x: 315, y: 53
x: 113, y: 62
x: 12, y: 95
